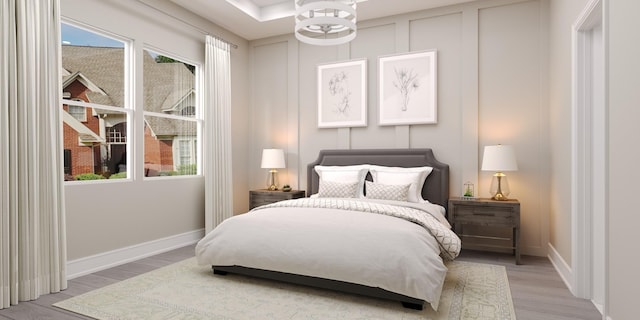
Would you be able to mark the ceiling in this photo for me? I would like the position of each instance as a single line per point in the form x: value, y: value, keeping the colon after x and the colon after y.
x: 257, y: 19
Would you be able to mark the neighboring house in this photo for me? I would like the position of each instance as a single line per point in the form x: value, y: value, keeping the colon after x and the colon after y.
x: 95, y: 139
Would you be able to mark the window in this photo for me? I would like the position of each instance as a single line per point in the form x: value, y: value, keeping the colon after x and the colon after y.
x: 171, y: 115
x: 80, y: 113
x: 93, y: 106
x: 117, y: 134
x: 67, y: 162
x: 98, y: 104
x: 189, y: 111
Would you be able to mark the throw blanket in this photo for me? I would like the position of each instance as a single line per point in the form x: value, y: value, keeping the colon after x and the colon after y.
x: 449, y: 242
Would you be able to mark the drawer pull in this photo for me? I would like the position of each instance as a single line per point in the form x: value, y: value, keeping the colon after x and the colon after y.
x: 484, y: 214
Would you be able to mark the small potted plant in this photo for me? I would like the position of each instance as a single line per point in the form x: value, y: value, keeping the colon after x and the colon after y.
x: 286, y: 188
x: 468, y: 190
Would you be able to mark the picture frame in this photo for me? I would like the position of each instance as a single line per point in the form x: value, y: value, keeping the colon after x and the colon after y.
x: 342, y: 94
x: 408, y: 88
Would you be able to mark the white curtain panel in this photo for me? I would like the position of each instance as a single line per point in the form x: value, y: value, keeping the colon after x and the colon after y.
x: 32, y: 232
x: 217, y: 139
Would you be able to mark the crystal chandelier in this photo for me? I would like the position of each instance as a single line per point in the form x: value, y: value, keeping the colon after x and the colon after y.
x: 325, y: 22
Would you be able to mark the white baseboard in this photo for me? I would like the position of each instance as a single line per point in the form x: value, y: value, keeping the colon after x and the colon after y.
x: 598, y: 306
x: 566, y: 274
x: 561, y: 266
x: 106, y: 260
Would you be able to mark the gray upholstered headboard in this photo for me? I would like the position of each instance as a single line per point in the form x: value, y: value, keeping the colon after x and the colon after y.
x: 436, y: 187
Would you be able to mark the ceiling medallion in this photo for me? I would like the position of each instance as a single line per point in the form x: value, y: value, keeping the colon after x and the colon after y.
x: 325, y: 22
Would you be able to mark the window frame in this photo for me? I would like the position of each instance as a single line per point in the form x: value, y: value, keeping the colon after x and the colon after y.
x: 133, y: 105
x: 197, y: 117
x: 127, y: 108
x: 73, y: 114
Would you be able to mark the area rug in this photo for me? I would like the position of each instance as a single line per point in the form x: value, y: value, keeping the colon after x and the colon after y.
x: 185, y: 290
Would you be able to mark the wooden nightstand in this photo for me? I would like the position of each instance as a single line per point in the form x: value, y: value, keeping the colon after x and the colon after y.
x: 261, y: 197
x: 487, y: 212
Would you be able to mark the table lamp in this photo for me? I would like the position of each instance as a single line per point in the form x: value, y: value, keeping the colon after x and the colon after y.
x: 499, y: 158
x: 272, y: 159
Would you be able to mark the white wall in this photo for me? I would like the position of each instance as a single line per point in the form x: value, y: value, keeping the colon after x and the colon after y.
x: 513, y: 107
x: 562, y: 15
x: 492, y: 88
x: 621, y: 26
x: 103, y: 217
x: 622, y: 98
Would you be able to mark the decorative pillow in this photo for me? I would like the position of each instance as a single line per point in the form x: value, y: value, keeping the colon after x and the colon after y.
x: 344, y: 174
x: 414, y: 177
x: 387, y: 191
x: 332, y: 189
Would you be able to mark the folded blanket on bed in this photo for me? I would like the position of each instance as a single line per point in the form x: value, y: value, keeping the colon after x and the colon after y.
x: 449, y: 242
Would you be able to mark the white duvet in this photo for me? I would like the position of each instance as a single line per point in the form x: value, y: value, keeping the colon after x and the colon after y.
x: 333, y: 242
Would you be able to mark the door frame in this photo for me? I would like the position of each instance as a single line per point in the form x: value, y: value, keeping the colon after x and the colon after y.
x: 581, y: 182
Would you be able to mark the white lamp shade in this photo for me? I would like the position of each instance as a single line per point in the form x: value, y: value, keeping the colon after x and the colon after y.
x: 499, y: 158
x: 272, y: 159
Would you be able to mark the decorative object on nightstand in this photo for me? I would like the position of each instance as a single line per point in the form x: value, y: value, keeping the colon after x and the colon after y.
x: 499, y: 158
x: 262, y: 197
x: 286, y: 188
x: 488, y: 213
x: 272, y: 159
x: 469, y: 193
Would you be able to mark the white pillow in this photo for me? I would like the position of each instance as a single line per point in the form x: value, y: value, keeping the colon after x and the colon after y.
x: 414, y: 176
x: 344, y: 174
x: 333, y: 189
x: 387, y: 191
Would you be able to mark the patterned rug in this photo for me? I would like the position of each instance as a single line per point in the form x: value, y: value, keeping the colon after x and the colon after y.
x: 185, y: 290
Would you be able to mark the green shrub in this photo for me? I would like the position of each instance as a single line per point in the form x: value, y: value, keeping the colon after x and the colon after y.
x: 88, y: 176
x: 167, y: 173
x: 119, y: 175
x: 187, y: 169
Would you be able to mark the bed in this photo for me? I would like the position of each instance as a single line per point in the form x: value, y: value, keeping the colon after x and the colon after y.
x: 382, y: 248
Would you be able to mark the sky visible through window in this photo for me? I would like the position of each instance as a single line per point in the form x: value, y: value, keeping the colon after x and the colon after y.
x: 79, y: 37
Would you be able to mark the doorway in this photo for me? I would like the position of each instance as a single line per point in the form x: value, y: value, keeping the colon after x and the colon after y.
x: 590, y: 178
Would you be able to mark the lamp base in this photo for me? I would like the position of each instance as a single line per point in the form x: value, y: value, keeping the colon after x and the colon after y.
x: 273, y: 180
x: 499, y: 197
x: 499, y: 187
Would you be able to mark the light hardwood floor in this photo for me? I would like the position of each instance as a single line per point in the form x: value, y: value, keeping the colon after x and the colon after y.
x: 537, y: 290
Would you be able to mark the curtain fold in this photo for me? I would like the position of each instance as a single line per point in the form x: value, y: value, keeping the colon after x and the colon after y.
x: 217, y: 138
x: 32, y: 225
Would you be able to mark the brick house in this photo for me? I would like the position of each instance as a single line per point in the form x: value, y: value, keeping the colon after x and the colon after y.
x: 95, y: 140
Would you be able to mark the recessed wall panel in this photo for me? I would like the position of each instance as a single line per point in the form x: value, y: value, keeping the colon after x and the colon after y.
x: 511, y: 110
x: 444, y: 34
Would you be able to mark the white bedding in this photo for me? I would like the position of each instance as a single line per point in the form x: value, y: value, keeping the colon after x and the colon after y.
x: 366, y: 248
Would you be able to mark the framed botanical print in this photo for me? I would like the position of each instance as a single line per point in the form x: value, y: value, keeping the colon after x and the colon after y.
x: 408, y: 88
x: 342, y: 94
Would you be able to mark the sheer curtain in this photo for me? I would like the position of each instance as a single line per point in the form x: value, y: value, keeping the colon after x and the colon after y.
x: 32, y: 232
x: 217, y: 138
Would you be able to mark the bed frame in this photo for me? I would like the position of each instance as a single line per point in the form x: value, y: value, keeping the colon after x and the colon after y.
x: 435, y: 189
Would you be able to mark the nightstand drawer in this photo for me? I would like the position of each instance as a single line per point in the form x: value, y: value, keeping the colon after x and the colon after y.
x: 262, y: 197
x: 486, y: 215
x: 486, y: 220
x: 271, y: 197
x: 488, y: 211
